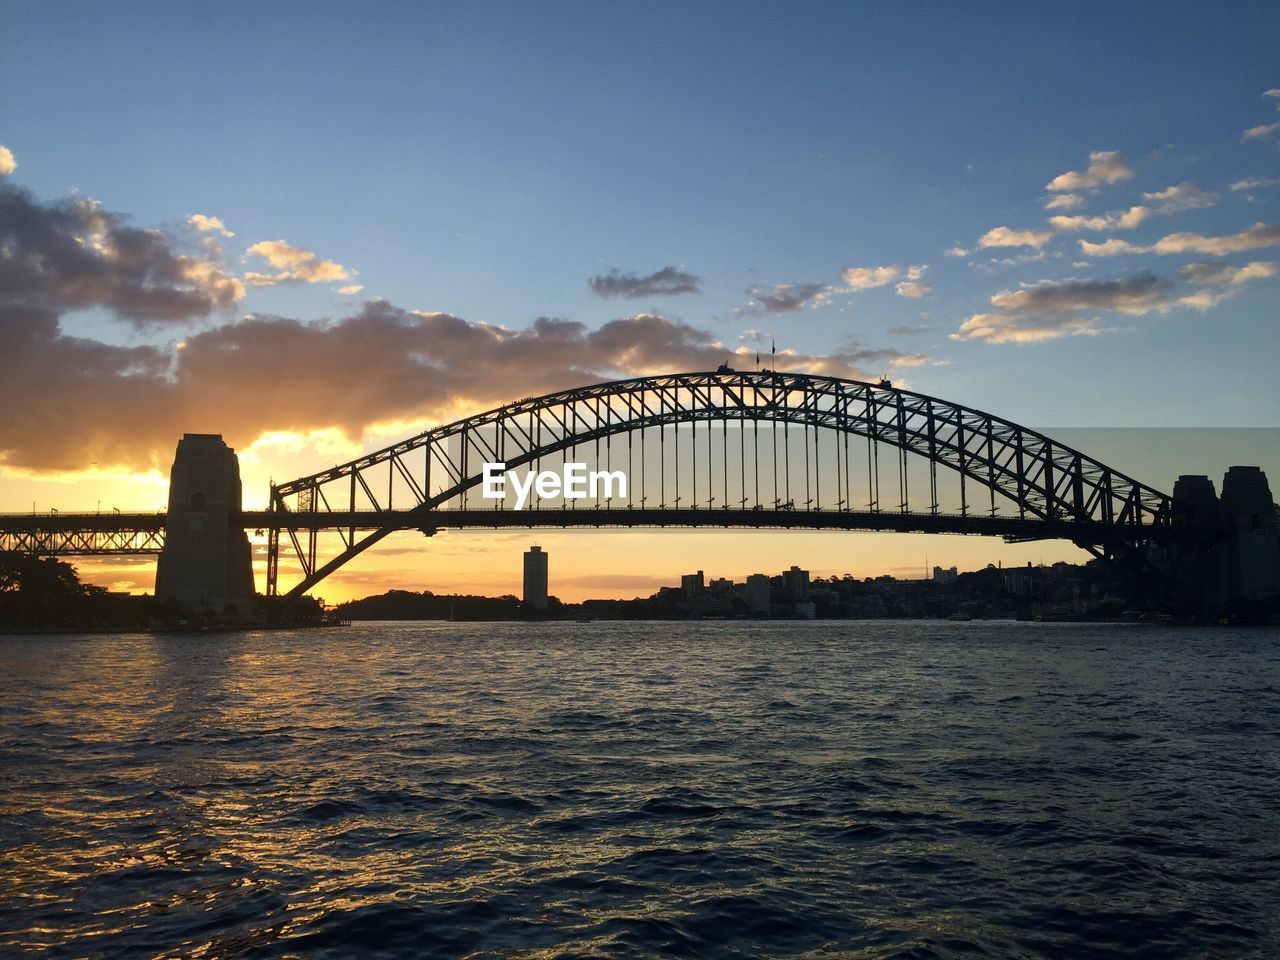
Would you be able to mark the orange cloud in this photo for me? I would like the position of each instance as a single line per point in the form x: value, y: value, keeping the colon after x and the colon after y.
x: 293, y: 265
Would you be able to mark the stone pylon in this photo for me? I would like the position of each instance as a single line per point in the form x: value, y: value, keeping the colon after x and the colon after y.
x: 205, y: 564
x: 1253, y: 557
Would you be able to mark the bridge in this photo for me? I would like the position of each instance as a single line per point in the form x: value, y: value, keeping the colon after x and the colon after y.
x: 762, y: 449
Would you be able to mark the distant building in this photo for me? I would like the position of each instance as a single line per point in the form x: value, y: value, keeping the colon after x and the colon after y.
x: 795, y: 584
x: 757, y: 593
x: 535, y: 579
x: 1019, y: 582
x: 721, y: 587
x: 692, y: 584
x: 947, y: 575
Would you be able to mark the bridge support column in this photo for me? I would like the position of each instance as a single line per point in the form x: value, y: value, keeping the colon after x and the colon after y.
x: 205, y: 565
x: 1253, y: 549
x: 1231, y: 564
x: 1197, y: 565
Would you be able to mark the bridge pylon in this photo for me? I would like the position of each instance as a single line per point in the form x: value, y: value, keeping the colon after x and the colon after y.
x: 205, y: 564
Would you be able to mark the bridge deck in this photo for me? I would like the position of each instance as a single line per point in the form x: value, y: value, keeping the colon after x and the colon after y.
x: 125, y: 533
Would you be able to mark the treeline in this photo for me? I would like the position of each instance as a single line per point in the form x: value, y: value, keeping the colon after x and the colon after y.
x: 406, y: 605
x: 40, y: 593
x: 43, y: 593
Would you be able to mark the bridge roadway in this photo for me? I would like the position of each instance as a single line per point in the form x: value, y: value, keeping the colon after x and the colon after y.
x: 142, y: 533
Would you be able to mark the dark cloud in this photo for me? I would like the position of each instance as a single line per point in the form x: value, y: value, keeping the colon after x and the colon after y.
x: 786, y: 297
x: 667, y: 282
x: 1136, y: 294
x: 69, y: 401
x: 72, y: 254
x: 910, y: 331
x: 73, y: 401
x: 1051, y: 309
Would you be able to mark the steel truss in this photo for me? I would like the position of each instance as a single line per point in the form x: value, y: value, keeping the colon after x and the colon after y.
x: 71, y: 534
x: 1004, y: 470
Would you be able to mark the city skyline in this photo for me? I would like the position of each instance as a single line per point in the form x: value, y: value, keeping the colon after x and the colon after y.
x: 318, y: 273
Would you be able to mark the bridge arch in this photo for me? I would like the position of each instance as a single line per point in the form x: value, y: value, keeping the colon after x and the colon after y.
x: 1051, y: 489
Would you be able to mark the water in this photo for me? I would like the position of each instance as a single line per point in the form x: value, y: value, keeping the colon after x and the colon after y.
x: 503, y: 790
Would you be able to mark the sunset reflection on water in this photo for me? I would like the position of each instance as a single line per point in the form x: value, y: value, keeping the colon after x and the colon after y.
x: 686, y: 789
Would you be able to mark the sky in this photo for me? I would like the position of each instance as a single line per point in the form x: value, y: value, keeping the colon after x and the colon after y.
x: 318, y: 229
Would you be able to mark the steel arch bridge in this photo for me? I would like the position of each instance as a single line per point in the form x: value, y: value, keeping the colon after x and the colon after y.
x: 727, y: 449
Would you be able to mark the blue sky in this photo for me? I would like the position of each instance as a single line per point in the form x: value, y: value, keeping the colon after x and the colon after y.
x: 485, y: 160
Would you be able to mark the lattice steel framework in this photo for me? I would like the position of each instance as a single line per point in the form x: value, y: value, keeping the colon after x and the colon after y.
x: 70, y: 534
x: 1017, y: 472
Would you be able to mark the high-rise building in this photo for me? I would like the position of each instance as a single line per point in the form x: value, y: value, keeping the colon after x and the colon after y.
x: 795, y: 583
x: 535, y: 579
x: 945, y: 574
x: 693, y: 584
x: 757, y: 593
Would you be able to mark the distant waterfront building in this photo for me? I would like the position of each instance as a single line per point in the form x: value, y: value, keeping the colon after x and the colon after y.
x: 535, y: 579
x: 757, y: 593
x: 692, y: 584
x: 1019, y: 582
x: 795, y: 584
x: 721, y: 587
x: 945, y: 575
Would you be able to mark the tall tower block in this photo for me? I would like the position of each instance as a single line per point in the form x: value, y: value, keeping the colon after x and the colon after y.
x: 205, y: 564
x: 535, y: 579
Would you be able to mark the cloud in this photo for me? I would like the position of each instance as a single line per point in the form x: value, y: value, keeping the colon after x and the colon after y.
x: 1110, y: 248
x: 293, y: 265
x: 72, y: 254
x: 7, y: 163
x: 1252, y: 183
x: 1183, y: 196
x: 1010, y: 328
x: 1019, y: 259
x: 910, y: 331
x: 1221, y: 273
x: 667, y: 282
x: 1206, y: 299
x: 1134, y: 295
x: 1004, y: 237
x: 69, y: 400
x: 1260, y: 131
x: 912, y: 288
x: 865, y: 278
x: 1064, y: 201
x: 911, y: 360
x: 1256, y: 237
x: 786, y: 297
x: 1053, y: 309
x: 1273, y: 92
x: 1124, y: 220
x: 209, y: 224
x: 956, y: 251
x: 1105, y: 166
x: 351, y: 289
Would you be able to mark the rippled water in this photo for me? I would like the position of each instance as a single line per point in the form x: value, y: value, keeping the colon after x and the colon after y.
x: 485, y: 790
